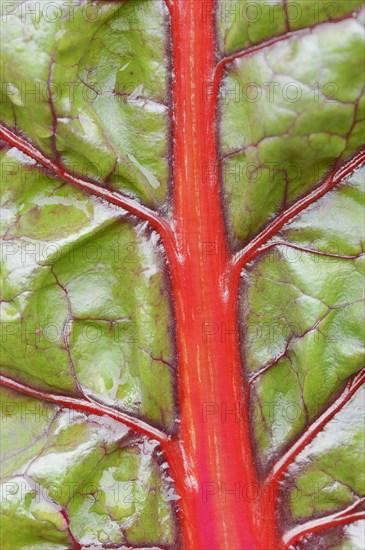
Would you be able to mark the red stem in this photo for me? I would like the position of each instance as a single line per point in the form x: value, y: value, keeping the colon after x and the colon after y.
x: 338, y: 518
x: 143, y: 212
x: 212, y: 463
x: 89, y: 407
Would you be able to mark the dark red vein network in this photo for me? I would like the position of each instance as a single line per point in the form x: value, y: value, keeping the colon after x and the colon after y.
x: 113, y: 197
x: 254, y: 248
x: 163, y: 227
x: 352, y: 386
x: 226, y: 60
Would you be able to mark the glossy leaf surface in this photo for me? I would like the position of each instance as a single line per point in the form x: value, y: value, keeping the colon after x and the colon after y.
x: 286, y: 121
x: 305, y: 342
x: 182, y: 237
x: 87, y: 98
x: 67, y: 476
x: 86, y: 309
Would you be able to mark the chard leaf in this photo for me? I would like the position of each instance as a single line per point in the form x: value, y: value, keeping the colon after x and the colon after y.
x: 83, y: 297
x: 254, y: 110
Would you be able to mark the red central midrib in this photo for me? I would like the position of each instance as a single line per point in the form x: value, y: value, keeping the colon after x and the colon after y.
x: 212, y: 451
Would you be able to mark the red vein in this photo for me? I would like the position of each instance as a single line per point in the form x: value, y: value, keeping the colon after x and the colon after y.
x: 354, y: 383
x: 143, y: 212
x: 307, y: 250
x: 286, y: 12
x: 66, y: 517
x: 170, y: 5
x: 87, y: 407
x: 254, y: 248
x: 221, y: 65
x: 338, y: 518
